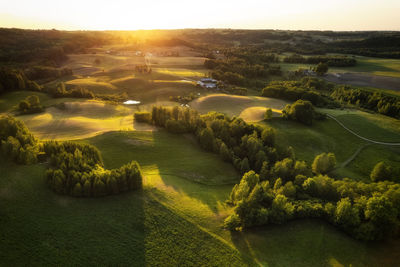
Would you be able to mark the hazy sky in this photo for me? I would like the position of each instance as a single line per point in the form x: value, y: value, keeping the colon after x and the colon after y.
x: 172, y: 14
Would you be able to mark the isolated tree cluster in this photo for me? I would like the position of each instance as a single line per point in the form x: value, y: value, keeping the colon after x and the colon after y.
x: 30, y: 105
x: 74, y: 169
x: 16, y: 142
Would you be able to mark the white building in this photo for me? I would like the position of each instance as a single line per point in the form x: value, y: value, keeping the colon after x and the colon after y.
x: 208, y: 83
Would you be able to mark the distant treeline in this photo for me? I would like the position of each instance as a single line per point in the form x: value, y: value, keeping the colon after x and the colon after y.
x: 47, y: 47
x: 276, y: 188
x: 15, y: 80
x: 331, y: 61
x: 237, y: 71
x: 375, y: 101
x: 74, y: 169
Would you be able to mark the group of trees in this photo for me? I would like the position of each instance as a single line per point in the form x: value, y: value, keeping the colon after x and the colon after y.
x: 240, y: 71
x: 14, y: 80
x: 301, y: 111
x: 46, y: 72
x: 74, y: 169
x: 276, y: 187
x: 331, y: 61
x: 77, y: 170
x: 295, y: 90
x: 376, y: 101
x: 367, y: 211
x: 16, y: 142
x: 184, y: 99
x: 30, y: 105
x: 48, y: 47
x: 61, y: 91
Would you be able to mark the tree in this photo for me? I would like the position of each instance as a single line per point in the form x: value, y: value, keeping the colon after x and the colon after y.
x: 224, y: 152
x: 301, y: 111
x: 244, y: 165
x: 321, y: 69
x: 24, y: 105
x: 268, y: 136
x: 207, y: 139
x: 268, y: 114
x: 381, y: 172
x: 324, y: 163
x: 346, y: 215
x: 33, y: 100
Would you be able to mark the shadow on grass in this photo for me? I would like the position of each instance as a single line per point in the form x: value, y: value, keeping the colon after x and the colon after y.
x: 312, y: 242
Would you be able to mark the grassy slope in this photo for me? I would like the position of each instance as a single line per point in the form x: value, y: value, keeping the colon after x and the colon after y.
x: 10, y: 100
x: 328, y: 136
x: 174, y: 221
x: 40, y: 228
x: 234, y: 105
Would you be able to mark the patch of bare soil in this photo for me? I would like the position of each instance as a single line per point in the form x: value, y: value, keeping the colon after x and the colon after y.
x: 358, y: 79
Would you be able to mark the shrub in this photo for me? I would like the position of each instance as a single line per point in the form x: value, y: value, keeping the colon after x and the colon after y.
x: 142, y: 117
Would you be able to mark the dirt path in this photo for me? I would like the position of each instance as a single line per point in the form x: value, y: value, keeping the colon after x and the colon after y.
x: 361, y: 137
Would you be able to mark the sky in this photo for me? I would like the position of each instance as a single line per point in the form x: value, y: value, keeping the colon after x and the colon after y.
x: 341, y: 15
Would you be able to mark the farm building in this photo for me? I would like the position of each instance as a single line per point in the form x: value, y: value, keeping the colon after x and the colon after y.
x: 208, y: 83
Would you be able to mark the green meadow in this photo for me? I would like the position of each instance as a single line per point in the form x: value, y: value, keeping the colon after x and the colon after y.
x: 182, y: 205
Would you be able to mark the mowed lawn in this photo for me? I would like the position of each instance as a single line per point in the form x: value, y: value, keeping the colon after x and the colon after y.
x: 175, y: 221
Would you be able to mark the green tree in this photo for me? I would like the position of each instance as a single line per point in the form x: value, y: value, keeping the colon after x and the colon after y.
x: 381, y: 172
x: 301, y: 111
x: 321, y: 69
x: 24, y: 105
x: 33, y: 100
x: 225, y: 153
x: 268, y: 114
x: 324, y: 163
x: 268, y: 136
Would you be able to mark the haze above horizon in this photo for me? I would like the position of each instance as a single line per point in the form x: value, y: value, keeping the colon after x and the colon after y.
x: 339, y: 15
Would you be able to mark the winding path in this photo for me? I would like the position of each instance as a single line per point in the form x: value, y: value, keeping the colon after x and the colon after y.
x: 361, y: 137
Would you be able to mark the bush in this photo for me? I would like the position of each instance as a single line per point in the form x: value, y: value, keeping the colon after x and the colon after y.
x: 142, y: 117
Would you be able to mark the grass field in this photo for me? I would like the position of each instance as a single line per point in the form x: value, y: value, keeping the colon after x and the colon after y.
x: 76, y: 120
x: 329, y: 136
x: 176, y: 220
x: 370, y: 125
x: 251, y: 108
x: 10, y: 101
x: 370, y: 65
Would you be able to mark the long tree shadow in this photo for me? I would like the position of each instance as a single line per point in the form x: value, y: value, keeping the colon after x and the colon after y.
x: 189, y: 170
